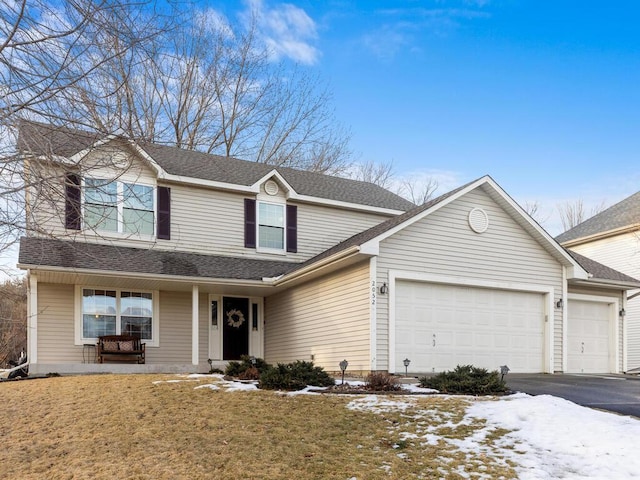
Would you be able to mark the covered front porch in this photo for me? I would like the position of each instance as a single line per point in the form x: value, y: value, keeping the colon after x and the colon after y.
x: 186, y: 325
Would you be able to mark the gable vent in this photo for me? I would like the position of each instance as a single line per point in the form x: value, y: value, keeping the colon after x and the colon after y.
x: 478, y: 220
x: 271, y: 187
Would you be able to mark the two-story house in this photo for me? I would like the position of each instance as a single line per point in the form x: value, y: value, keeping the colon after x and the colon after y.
x: 208, y: 258
x: 613, y: 237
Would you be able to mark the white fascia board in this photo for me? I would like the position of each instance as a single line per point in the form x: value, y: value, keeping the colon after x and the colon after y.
x: 602, y: 235
x: 159, y: 170
x: 255, y: 188
x: 373, y: 244
x: 152, y: 276
x: 316, y: 265
x: 574, y: 270
x: 274, y: 173
x: 606, y: 283
x: 76, y: 158
x: 82, y: 153
x: 344, y: 205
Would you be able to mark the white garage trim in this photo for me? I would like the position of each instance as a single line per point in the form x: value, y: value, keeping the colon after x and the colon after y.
x: 548, y: 292
x: 373, y: 300
x: 614, y: 330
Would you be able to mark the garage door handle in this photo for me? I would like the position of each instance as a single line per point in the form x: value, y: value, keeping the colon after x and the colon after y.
x: 434, y: 339
x: 582, y: 347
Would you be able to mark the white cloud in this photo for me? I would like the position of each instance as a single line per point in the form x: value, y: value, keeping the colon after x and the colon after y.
x: 286, y: 29
x: 403, y: 26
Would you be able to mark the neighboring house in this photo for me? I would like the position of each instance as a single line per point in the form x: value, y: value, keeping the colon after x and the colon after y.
x: 208, y: 258
x: 612, y: 237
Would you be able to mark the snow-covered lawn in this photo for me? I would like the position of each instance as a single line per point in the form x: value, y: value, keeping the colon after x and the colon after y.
x: 541, y: 437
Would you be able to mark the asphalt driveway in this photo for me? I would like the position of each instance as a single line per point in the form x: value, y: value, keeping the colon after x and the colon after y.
x: 615, y: 393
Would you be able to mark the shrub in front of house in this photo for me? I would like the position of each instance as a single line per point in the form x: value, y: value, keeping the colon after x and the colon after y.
x: 466, y: 380
x: 294, y: 376
x: 382, y: 382
x: 244, y: 368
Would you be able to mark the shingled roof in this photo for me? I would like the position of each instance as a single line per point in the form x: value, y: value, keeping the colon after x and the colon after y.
x: 46, y: 139
x: 623, y: 214
x: 90, y: 256
x: 599, y: 271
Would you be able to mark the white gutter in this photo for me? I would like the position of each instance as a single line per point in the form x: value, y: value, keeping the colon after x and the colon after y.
x: 286, y: 278
x: 152, y: 276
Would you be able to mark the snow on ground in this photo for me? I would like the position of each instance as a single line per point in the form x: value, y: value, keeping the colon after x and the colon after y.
x: 549, y: 438
x: 559, y: 439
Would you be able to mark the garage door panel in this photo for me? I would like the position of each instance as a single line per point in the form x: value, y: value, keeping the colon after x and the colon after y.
x: 483, y: 327
x: 588, y: 336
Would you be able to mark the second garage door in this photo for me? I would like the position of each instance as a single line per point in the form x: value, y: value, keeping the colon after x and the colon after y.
x: 588, y: 337
x: 440, y: 326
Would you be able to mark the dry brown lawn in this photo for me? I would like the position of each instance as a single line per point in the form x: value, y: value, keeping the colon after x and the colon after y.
x: 127, y: 427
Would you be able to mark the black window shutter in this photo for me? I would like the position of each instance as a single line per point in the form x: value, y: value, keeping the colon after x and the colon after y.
x: 249, y: 223
x: 292, y: 228
x: 164, y: 213
x: 73, y: 218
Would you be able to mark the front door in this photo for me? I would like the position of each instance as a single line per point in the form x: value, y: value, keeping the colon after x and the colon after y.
x: 235, y: 327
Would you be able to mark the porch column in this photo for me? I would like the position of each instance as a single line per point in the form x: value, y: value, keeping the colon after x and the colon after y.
x: 195, y: 315
x: 32, y: 319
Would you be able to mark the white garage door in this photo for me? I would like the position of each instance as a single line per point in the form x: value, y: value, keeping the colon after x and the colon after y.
x: 588, y: 337
x: 440, y: 326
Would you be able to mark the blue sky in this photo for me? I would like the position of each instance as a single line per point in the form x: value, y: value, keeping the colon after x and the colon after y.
x: 543, y: 95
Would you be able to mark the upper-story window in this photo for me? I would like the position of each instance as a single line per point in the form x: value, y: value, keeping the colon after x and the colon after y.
x: 118, y: 206
x: 271, y: 226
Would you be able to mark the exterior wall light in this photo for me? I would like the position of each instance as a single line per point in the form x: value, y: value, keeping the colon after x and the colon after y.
x: 384, y: 289
x: 560, y: 303
x: 343, y: 366
x: 622, y: 312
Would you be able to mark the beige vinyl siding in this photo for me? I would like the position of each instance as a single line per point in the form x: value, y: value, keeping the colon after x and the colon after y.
x: 326, y: 320
x: 443, y: 244
x: 56, y: 325
x: 45, y: 200
x: 175, y: 329
x: 212, y: 222
x: 47, y: 203
x: 203, y: 220
x: 621, y: 252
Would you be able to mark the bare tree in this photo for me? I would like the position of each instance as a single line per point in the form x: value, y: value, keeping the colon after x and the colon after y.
x: 13, y: 320
x: 197, y: 82
x: 418, y: 190
x: 377, y: 173
x: 48, y: 51
x: 574, y: 213
x: 211, y: 86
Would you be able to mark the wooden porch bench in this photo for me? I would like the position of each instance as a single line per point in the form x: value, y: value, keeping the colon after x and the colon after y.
x: 120, y: 348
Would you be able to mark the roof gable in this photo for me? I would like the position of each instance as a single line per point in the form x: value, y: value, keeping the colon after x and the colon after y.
x: 180, y: 165
x: 369, y: 240
x: 619, y: 217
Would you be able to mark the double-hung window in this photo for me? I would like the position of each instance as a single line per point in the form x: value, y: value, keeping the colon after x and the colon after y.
x: 117, y: 312
x: 137, y: 208
x: 119, y: 206
x: 101, y: 204
x: 271, y: 226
